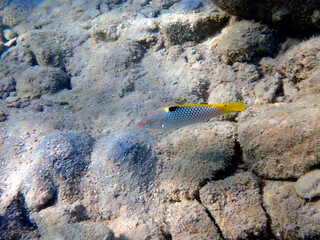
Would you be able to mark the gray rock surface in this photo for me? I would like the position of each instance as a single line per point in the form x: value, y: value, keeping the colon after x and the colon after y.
x: 39, y: 80
x: 15, y: 222
x: 235, y: 204
x: 191, y: 156
x: 60, y: 162
x: 295, y: 15
x: 189, y: 220
x: 178, y: 29
x: 81, y: 74
x: 244, y: 41
x: 49, y: 47
x: 287, y: 211
x: 279, y: 143
x: 308, y: 185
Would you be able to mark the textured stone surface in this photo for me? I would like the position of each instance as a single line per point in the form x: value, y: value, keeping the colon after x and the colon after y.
x: 178, y: 29
x: 15, y: 222
x: 280, y: 143
x: 191, y: 156
x: 39, y: 80
x: 308, y: 185
x: 295, y: 15
x: 122, y: 60
x: 189, y: 220
x: 61, y: 162
x: 291, y: 216
x: 244, y: 41
x: 235, y: 204
x: 300, y: 64
x: 49, y: 47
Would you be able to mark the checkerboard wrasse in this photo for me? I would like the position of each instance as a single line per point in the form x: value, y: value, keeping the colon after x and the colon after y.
x: 182, y: 115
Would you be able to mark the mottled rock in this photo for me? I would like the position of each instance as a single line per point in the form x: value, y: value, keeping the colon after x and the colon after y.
x: 268, y: 89
x: 191, y: 156
x: 180, y: 28
x: 163, y: 4
x: 268, y: 66
x: 244, y: 41
x: 7, y: 85
x: 3, y: 48
x: 149, y: 12
x: 294, y: 15
x: 308, y: 185
x: 189, y: 220
x: 38, y: 189
x: 188, y: 6
x: 300, y: 65
x: 62, y: 226
x: 120, y: 182
x: 16, y: 59
x: 79, y: 214
x: 245, y: 73
x: 131, y: 155
x: 14, y: 13
x: 105, y: 30
x: 40, y: 80
x: 15, y: 222
x: 3, y: 116
x: 235, y: 204
x: 61, y: 161
x: 301, y: 60
x: 279, y: 143
x: 49, y: 47
x: 9, y: 34
x: 291, y: 217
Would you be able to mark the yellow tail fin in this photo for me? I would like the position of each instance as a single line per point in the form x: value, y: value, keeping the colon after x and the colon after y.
x: 230, y: 107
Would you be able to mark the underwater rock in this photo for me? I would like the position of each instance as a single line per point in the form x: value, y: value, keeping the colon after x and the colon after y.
x: 188, y: 6
x: 49, y: 47
x: 121, y: 175
x: 3, y: 116
x: 191, y: 156
x: 60, y: 219
x: 16, y: 60
x: 7, y: 85
x: 288, y: 15
x: 38, y: 188
x: 40, y: 80
x: 162, y: 4
x: 61, y: 162
x: 301, y: 60
x: 3, y: 48
x: 244, y: 41
x: 268, y: 89
x: 235, y: 204
x: 127, y: 153
x: 300, y: 66
x: 9, y: 34
x: 245, y: 72
x: 291, y: 217
x: 149, y: 12
x: 14, y: 13
x: 268, y: 66
x: 279, y: 143
x: 180, y: 28
x: 189, y: 220
x: 308, y: 185
x: 15, y: 222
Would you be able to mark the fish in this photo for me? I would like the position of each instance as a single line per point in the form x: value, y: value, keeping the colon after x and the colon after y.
x: 183, y: 115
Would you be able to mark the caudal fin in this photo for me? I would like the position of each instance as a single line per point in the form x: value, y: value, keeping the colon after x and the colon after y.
x: 231, y: 107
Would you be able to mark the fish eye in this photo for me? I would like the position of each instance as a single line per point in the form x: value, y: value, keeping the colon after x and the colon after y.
x: 147, y: 121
